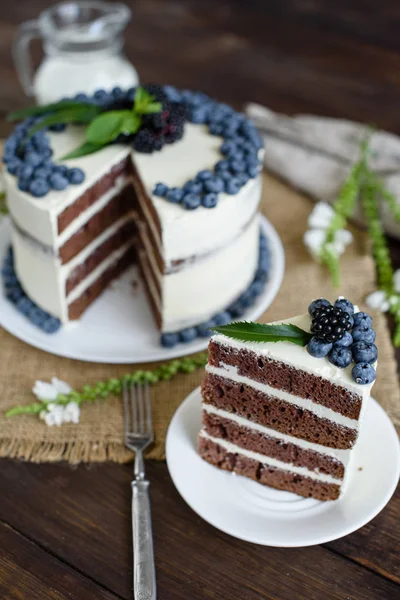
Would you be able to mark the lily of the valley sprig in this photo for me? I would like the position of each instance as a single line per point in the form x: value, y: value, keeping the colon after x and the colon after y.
x: 328, y: 237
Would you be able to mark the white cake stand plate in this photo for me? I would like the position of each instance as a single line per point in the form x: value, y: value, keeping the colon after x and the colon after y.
x: 119, y: 326
x: 255, y: 513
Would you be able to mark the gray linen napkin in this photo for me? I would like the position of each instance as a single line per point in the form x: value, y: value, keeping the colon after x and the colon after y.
x: 314, y: 154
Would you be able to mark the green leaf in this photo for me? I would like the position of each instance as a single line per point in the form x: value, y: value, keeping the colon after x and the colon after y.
x: 83, y: 150
x: 48, y: 108
x: 71, y: 115
x: 153, y: 107
x: 107, y: 126
x: 259, y: 332
x: 131, y: 123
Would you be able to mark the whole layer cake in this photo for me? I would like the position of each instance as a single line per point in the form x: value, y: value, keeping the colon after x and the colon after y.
x: 183, y: 205
x: 288, y: 413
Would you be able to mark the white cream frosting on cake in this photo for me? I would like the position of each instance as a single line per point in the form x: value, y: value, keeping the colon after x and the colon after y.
x: 217, y: 248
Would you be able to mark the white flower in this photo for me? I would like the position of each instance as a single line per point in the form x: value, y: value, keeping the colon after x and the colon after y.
x: 341, y: 239
x: 46, y: 392
x: 378, y: 301
x: 321, y: 216
x: 313, y: 240
x: 57, y: 414
x: 396, y: 280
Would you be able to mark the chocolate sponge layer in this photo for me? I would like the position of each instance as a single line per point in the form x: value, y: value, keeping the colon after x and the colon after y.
x: 277, y: 414
x: 284, y: 377
x: 271, y: 476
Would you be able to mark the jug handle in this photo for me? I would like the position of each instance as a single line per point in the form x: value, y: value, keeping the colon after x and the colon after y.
x: 22, y: 60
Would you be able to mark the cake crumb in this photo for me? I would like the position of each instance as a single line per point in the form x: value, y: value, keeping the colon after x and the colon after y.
x: 360, y: 468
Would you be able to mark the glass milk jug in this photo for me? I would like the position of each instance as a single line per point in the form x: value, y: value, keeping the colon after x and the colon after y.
x: 82, y: 44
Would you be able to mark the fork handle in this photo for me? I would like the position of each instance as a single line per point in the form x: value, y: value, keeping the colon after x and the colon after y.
x: 144, y: 576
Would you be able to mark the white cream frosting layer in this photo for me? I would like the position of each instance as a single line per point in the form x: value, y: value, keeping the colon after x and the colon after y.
x: 272, y: 462
x: 342, y: 456
x: 298, y: 357
x: 230, y: 372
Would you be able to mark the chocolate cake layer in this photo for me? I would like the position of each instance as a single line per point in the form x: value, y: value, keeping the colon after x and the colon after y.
x: 271, y: 476
x: 92, y: 194
x: 79, y: 305
x: 119, y: 238
x: 116, y: 208
x: 145, y: 228
x: 284, y: 377
x: 247, y: 438
x: 146, y: 276
x: 277, y: 414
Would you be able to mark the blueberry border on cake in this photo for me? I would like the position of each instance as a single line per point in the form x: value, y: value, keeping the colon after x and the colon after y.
x: 49, y: 324
x: 30, y: 158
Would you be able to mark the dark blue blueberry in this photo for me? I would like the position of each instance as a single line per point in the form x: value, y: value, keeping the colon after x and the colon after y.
x: 364, y: 333
x: 252, y: 170
x: 362, y: 318
x: 173, y: 94
x: 195, y: 187
x: 10, y: 145
x: 345, y: 305
x: 345, y: 342
x: 46, y: 153
x: 24, y: 305
x: 25, y: 171
x: 75, y: 175
x: 191, y: 201
x: 222, y: 318
x: 37, y: 316
x: 58, y: 127
x: 188, y: 335
x: 174, y: 195
x: 319, y: 303
x: 58, y: 182
x: 42, y: 173
x: 61, y: 169
x: 14, y: 294
x: 263, y: 241
x: 205, y: 329
x: 204, y: 175
x: 246, y: 299
x: 216, y: 184
x: 51, y: 325
x: 209, y: 200
x: 81, y: 97
x: 363, y: 373
x: 261, y: 275
x: 100, y: 95
x: 318, y: 348
x: 237, y: 166
x: 169, y: 340
x: 160, y: 189
x: 130, y: 94
x: 232, y: 186
x: 13, y: 165
x: 228, y: 148
x: 23, y: 184
x: 340, y: 357
x: 257, y: 287
x: 364, y: 352
x: 33, y: 158
x: 39, y: 188
x: 242, y: 178
x: 222, y: 165
x: 199, y: 115
x: 215, y: 129
x: 117, y: 93
x: 237, y: 310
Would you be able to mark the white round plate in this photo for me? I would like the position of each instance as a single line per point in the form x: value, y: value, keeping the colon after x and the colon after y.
x: 119, y: 326
x: 255, y: 513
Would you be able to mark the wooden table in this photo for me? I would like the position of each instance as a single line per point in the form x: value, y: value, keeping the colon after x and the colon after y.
x: 65, y: 531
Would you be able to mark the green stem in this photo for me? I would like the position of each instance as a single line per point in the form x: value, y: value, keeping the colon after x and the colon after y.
x: 113, y: 386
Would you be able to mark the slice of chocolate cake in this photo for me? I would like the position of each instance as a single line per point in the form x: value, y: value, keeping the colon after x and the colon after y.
x: 283, y: 402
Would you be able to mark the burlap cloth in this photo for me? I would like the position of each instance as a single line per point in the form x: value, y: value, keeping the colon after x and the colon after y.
x: 98, y: 437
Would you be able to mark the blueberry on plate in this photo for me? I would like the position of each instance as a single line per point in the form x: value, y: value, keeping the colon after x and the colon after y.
x: 362, y: 318
x: 363, y: 373
x: 345, y: 342
x: 363, y: 333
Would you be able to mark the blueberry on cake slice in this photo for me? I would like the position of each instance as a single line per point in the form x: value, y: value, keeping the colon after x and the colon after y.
x: 283, y: 402
x: 164, y: 178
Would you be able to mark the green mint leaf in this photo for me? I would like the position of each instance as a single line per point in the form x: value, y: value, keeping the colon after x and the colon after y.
x: 259, y: 332
x: 69, y: 115
x: 131, y: 123
x: 83, y: 150
x: 107, y: 126
x: 153, y: 107
x: 49, y: 108
x: 142, y: 98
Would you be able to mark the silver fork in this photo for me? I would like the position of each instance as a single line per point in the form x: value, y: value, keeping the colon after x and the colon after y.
x: 138, y: 436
